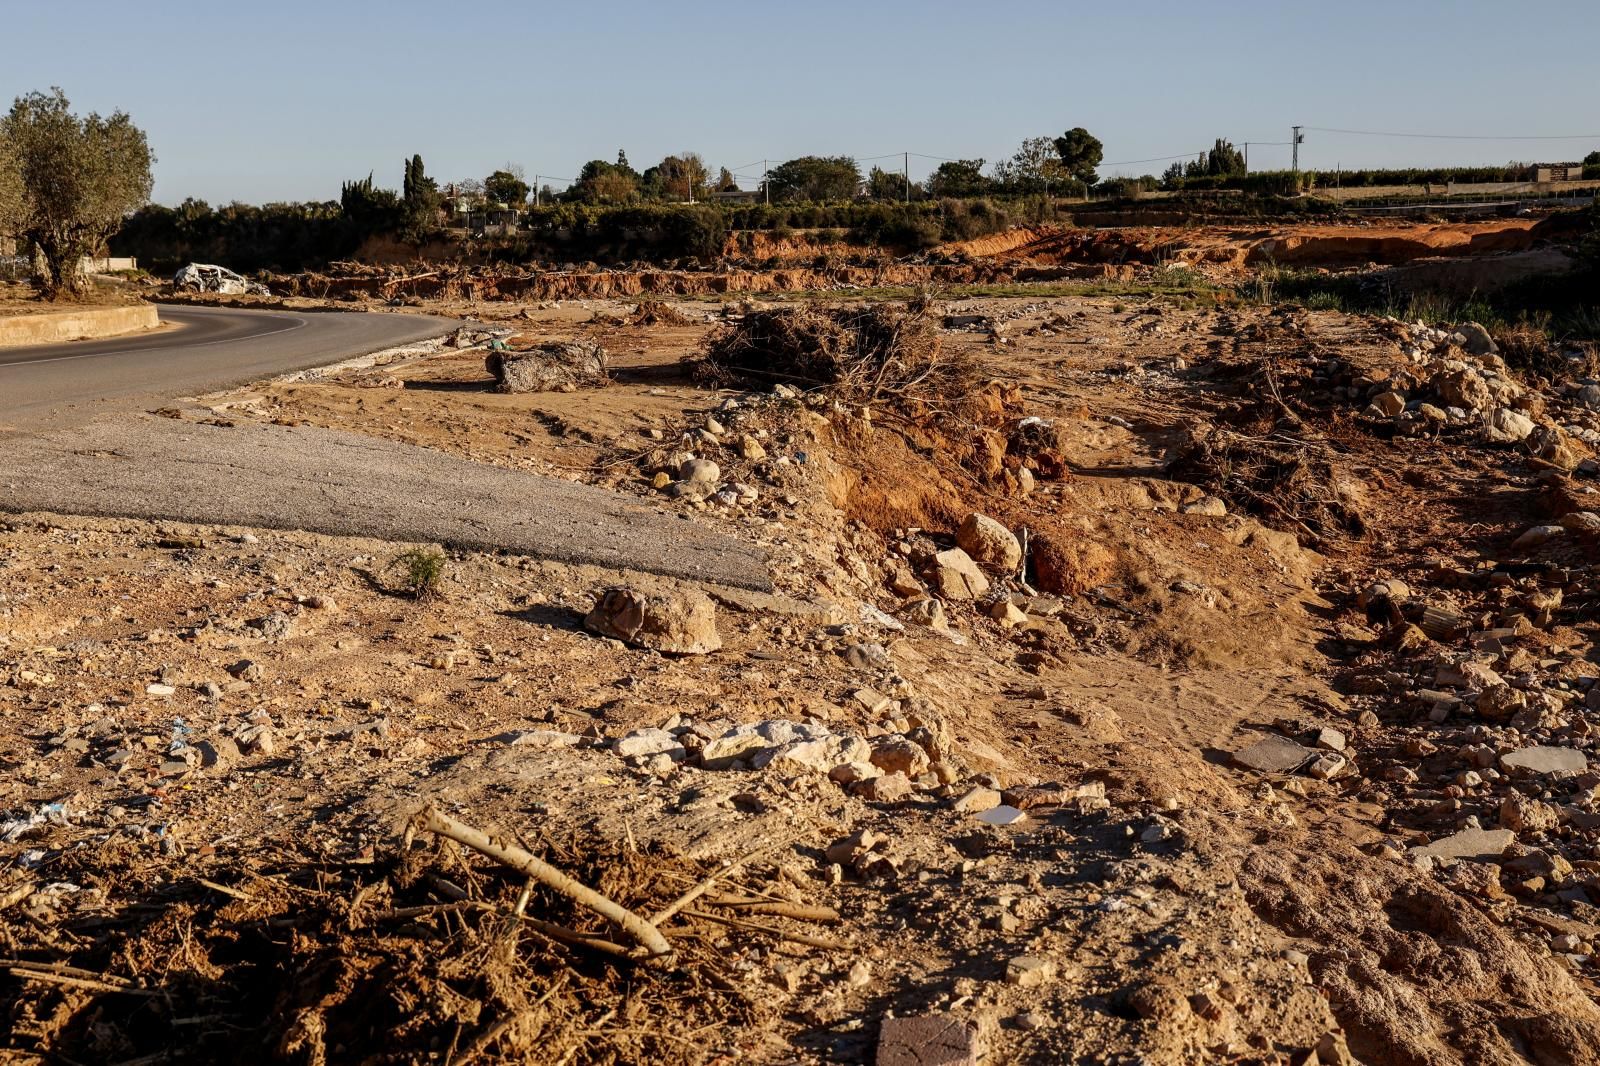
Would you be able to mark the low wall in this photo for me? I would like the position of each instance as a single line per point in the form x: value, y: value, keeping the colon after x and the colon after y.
x: 87, y: 324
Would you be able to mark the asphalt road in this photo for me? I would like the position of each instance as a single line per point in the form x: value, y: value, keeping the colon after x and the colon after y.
x: 80, y: 442
x: 205, y: 348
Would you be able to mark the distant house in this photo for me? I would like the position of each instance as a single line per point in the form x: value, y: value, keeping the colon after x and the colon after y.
x: 500, y: 220
x: 737, y: 196
x: 1558, y: 172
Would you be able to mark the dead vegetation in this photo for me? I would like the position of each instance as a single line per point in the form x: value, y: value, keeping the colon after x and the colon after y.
x: 1289, y: 481
x: 861, y: 353
x: 426, y: 953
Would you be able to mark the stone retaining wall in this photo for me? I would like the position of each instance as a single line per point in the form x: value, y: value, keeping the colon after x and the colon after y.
x: 87, y: 324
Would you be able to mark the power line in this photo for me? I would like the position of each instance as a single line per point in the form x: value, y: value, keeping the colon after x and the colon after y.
x: 1461, y: 136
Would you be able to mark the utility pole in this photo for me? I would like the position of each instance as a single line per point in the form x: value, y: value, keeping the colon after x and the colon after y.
x: 1295, y: 150
x: 905, y: 170
x: 536, y: 190
x: 766, y: 186
x: 1247, y: 157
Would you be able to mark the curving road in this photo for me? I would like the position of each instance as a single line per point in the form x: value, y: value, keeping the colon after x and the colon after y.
x: 202, y: 350
x: 80, y: 442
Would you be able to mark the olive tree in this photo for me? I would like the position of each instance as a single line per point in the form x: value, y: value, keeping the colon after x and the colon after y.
x: 78, y: 178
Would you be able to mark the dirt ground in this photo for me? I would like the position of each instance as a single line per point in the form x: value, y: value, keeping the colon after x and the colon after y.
x: 21, y: 298
x: 219, y: 743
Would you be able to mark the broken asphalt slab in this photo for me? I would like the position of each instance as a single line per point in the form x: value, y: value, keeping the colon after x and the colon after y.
x: 323, y: 481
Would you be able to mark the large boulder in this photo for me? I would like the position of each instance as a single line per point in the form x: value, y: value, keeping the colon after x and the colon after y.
x: 681, y: 622
x: 1463, y: 388
x: 989, y: 543
x: 549, y: 368
x: 956, y: 577
x: 1478, y: 341
x: 1505, y: 426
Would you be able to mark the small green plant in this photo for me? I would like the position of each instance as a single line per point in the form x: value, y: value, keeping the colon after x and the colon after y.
x: 423, y: 570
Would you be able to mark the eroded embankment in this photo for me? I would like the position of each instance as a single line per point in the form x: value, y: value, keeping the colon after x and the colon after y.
x: 571, y: 285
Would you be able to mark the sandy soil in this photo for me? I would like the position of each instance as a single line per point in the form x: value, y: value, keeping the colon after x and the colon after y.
x: 1211, y: 502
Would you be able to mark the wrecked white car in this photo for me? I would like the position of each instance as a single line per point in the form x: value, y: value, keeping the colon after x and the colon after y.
x: 207, y: 277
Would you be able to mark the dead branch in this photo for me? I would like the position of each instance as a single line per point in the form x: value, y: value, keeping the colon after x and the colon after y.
x: 646, y: 934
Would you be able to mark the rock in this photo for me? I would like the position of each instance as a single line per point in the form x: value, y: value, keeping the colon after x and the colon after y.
x: 1327, y: 767
x: 699, y: 472
x: 1521, y: 814
x: 885, y: 788
x: 1507, y: 426
x: 1497, y: 703
x: 1482, y: 845
x: 257, y: 739
x: 926, y: 611
x: 1207, y: 506
x: 821, y: 755
x: 1586, y: 523
x: 976, y: 801
x: 989, y: 543
x: 1544, y: 759
x: 871, y: 700
x: 275, y: 626
x: 1392, y: 589
x: 848, y: 849
x: 867, y: 656
x: 1463, y: 388
x: 722, y: 752
x: 645, y: 742
x: 1470, y: 675
x: 1476, y: 340
x: 956, y: 577
x: 1005, y: 814
x: 896, y: 754
x: 928, y: 1040
x: 1008, y: 614
x: 1030, y: 971
x: 849, y: 773
x: 1554, y: 447
x: 1534, y: 536
x: 549, y: 368
x: 1389, y: 404
x: 1329, y: 739
x: 751, y: 450
x: 1272, y: 755
x: 159, y: 690
x: 682, y: 622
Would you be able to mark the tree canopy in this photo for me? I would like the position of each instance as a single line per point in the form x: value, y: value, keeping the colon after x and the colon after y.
x: 72, y: 180
x: 506, y: 187
x: 958, y: 178
x: 819, y: 179
x: 1080, y: 152
x: 677, y: 177
x: 420, y: 201
x: 600, y: 182
x: 1036, y: 167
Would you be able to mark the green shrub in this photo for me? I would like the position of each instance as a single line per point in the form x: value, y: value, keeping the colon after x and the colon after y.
x: 422, y: 572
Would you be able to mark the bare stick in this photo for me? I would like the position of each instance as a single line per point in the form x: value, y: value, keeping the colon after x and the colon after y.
x: 797, y: 911
x: 756, y: 927
x: 705, y: 886
x: 224, y: 889
x: 648, y: 936
x: 79, y: 982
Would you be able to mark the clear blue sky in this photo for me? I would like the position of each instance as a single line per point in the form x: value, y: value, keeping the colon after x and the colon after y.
x: 282, y: 100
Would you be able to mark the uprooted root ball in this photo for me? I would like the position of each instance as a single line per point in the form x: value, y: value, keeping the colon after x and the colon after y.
x: 861, y: 353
